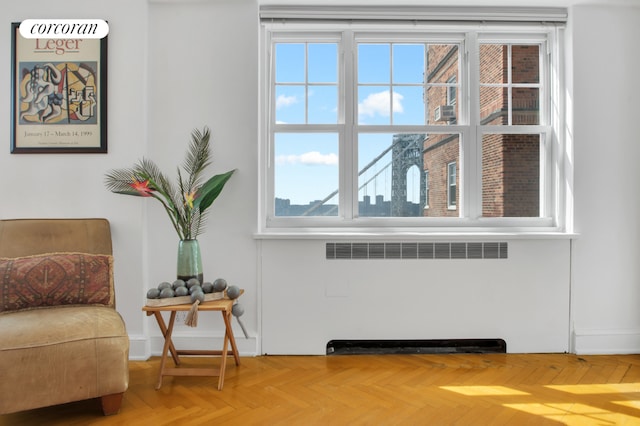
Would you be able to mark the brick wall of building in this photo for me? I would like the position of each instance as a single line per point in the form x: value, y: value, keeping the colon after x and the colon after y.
x: 510, y: 163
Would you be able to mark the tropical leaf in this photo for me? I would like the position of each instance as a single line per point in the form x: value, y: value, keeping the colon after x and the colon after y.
x: 197, y: 158
x: 210, y: 191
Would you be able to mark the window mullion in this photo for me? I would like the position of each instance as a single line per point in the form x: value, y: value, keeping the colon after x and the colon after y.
x: 348, y: 195
x: 471, y: 174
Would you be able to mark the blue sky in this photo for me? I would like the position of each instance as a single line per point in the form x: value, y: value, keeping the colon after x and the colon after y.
x: 307, y: 164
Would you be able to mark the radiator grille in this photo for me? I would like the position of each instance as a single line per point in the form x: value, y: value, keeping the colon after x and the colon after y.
x: 411, y: 250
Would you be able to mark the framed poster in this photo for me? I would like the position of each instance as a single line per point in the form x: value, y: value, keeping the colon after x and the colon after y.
x: 59, y: 94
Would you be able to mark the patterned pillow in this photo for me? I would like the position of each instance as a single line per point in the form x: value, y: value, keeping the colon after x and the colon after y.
x: 54, y: 279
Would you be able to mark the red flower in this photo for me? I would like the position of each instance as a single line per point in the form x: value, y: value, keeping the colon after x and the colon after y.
x: 142, y: 187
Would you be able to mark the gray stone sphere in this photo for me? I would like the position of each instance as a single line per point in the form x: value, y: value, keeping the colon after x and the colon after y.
x: 166, y: 293
x: 164, y: 285
x: 182, y: 291
x: 192, y: 281
x: 219, y: 284
x: 153, y: 293
x: 207, y: 287
x: 237, y: 310
x: 233, y: 292
x: 177, y: 283
x: 197, y: 295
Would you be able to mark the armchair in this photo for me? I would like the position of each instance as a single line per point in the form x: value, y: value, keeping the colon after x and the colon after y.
x: 61, y: 339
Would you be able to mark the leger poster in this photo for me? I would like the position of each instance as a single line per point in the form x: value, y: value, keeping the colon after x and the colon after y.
x: 59, y: 95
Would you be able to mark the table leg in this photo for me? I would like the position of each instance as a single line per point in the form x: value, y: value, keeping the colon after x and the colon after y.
x: 225, y: 345
x: 163, y: 330
x: 232, y: 339
x: 167, y: 345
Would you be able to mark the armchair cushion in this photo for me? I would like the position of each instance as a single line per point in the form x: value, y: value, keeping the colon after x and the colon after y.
x: 55, y: 279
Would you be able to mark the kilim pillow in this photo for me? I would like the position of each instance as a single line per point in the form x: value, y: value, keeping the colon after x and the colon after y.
x: 55, y: 279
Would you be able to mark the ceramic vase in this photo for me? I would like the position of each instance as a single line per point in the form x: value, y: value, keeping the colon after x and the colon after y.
x: 189, y: 260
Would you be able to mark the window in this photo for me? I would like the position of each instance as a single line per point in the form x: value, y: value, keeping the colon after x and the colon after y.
x: 426, y: 189
x: 422, y: 125
x: 452, y: 185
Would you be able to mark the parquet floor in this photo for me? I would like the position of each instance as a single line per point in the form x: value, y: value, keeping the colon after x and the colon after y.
x: 465, y: 389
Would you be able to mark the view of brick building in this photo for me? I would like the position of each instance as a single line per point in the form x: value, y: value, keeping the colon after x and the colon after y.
x: 510, y: 162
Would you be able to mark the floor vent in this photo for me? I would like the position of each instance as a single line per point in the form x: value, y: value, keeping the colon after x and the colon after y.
x: 450, y: 250
x: 443, y: 346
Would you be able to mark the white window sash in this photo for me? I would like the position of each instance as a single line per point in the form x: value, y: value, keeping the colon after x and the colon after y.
x: 469, y: 170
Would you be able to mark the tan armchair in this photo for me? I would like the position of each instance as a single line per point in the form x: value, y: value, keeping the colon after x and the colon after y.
x: 61, y: 339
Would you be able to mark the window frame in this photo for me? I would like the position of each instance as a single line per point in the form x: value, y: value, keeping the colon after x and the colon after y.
x: 467, y: 126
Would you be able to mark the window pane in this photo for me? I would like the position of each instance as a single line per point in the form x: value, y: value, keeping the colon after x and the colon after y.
x: 306, y: 174
x: 374, y: 104
x: 442, y: 86
x: 290, y: 104
x: 510, y: 175
x: 493, y: 105
x: 323, y: 104
x: 290, y: 62
x: 442, y: 62
x: 426, y: 184
x: 525, y: 65
x: 452, y: 182
x: 526, y: 106
x: 493, y: 60
x: 440, y: 150
x: 441, y: 109
x: 509, y: 84
x: 323, y: 63
x: 408, y: 63
x: 374, y: 63
x: 391, y: 175
x: 408, y: 105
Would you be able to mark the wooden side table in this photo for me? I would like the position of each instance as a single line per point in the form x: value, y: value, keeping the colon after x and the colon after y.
x: 223, y: 306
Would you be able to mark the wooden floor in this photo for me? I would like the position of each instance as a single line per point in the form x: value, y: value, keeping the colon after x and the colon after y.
x: 467, y: 389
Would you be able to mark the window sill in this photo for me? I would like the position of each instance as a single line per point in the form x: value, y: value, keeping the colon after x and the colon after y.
x: 404, y: 235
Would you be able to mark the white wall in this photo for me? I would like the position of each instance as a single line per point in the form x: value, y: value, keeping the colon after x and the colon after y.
x: 71, y: 185
x: 202, y: 71
x: 309, y: 300
x: 176, y: 65
x: 606, y: 89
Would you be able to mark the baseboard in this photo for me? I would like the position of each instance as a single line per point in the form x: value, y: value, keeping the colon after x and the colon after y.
x: 139, y: 348
x: 606, y: 342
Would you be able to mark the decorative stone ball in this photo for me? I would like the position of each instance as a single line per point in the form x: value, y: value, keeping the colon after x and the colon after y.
x: 164, y: 285
x: 207, y: 287
x: 192, y: 281
x: 153, y: 293
x: 177, y: 283
x: 233, y: 292
x: 181, y: 291
x: 237, y: 310
x: 195, y: 288
x: 197, y: 295
x: 166, y: 292
x: 219, y: 284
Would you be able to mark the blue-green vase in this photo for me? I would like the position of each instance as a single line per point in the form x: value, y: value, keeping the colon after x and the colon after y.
x: 189, y: 260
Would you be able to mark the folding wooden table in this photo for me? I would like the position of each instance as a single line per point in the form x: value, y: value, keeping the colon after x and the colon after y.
x: 223, y: 306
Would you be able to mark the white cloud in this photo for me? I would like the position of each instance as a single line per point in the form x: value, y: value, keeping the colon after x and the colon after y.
x: 378, y: 104
x: 284, y: 101
x: 312, y: 158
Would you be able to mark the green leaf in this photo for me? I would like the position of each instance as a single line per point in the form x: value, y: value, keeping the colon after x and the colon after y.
x: 208, y: 192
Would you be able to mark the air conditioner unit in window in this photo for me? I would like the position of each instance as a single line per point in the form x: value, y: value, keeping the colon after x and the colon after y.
x: 445, y: 113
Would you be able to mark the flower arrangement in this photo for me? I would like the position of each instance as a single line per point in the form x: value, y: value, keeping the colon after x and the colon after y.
x: 187, y: 203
